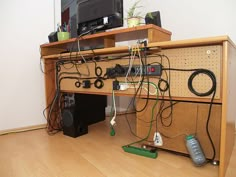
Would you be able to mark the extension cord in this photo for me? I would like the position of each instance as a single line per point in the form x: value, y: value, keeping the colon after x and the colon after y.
x: 157, y: 139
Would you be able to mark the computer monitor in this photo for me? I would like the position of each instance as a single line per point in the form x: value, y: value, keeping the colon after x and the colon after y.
x: 97, y: 15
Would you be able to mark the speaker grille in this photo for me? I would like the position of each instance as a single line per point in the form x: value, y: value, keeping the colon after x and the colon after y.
x: 67, y: 118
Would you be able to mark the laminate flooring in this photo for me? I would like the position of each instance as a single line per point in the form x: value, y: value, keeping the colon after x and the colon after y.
x: 96, y: 154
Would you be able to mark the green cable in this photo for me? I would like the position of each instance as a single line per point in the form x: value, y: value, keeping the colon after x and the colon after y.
x: 112, y: 130
x: 152, y: 116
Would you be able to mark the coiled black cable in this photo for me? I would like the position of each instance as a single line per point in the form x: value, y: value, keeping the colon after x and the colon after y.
x: 206, y: 72
x: 212, y: 91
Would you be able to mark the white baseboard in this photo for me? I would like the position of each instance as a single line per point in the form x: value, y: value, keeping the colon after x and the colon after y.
x: 23, y: 129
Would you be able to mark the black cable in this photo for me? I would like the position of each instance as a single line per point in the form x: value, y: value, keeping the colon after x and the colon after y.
x: 98, y: 83
x: 141, y: 83
x: 163, y: 90
x: 134, y: 98
x: 166, y: 85
x: 212, y: 91
x: 98, y: 69
x: 78, y: 84
x: 206, y: 72
x: 51, y: 127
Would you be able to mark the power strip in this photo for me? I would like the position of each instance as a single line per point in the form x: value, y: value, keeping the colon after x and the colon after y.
x: 140, y: 151
x: 121, y: 71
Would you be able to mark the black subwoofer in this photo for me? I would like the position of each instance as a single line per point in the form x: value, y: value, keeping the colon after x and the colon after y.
x: 72, y: 123
x: 88, y: 109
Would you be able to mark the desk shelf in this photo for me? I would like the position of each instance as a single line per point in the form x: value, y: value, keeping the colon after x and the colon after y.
x: 151, y: 32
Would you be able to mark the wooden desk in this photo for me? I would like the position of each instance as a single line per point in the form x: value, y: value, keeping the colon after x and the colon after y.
x: 216, y: 54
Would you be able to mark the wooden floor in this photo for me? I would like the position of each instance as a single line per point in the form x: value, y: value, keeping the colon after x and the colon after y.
x: 96, y: 154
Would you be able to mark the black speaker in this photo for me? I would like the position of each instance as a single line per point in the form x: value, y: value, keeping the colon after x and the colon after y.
x: 52, y: 37
x: 153, y: 18
x: 88, y: 109
x: 73, y: 124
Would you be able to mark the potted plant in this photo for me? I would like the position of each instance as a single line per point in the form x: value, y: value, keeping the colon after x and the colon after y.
x: 133, y: 17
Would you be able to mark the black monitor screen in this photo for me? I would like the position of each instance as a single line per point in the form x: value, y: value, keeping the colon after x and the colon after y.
x: 105, y: 14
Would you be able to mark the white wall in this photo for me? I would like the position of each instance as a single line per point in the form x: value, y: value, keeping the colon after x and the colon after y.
x: 192, y: 19
x: 25, y: 24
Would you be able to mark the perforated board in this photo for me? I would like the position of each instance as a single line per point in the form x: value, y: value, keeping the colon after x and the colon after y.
x: 205, y: 57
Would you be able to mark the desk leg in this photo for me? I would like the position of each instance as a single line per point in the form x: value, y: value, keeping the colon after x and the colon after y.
x: 50, y: 88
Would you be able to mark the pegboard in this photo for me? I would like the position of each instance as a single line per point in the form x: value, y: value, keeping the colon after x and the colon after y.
x: 206, y: 57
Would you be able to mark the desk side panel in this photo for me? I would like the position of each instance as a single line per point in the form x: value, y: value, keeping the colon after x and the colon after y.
x: 228, y: 109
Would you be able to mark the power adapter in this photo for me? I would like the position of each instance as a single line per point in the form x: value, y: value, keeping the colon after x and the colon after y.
x: 86, y: 84
x: 116, y: 85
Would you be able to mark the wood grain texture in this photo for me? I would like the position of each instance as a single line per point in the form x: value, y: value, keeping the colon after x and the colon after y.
x: 155, y: 35
x: 187, y: 118
x: 111, y: 34
x: 50, y: 90
x: 228, y: 109
x: 36, y: 154
x: 153, y: 46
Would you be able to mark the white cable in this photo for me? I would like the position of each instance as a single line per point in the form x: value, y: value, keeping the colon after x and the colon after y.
x: 82, y: 55
x: 130, y: 63
x: 135, y: 50
x: 113, y: 122
x: 151, y: 84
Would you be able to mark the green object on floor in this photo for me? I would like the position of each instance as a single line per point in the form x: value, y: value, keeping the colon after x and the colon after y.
x: 140, y: 151
x: 112, y: 132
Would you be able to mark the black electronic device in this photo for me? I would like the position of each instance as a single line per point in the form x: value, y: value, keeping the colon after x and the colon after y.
x: 52, y: 37
x: 86, y: 110
x: 153, y: 18
x: 98, y: 15
x: 91, y: 107
x: 73, y: 124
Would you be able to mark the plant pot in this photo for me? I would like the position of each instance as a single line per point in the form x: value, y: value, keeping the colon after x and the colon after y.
x: 134, y: 21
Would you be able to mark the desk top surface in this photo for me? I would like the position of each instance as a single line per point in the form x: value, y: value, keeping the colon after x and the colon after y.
x: 164, y: 45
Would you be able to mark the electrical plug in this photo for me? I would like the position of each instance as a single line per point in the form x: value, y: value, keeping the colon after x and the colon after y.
x: 112, y: 122
x: 157, y: 139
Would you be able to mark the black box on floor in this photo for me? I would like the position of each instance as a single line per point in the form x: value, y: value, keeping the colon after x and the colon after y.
x: 88, y: 109
x: 91, y: 107
x: 73, y: 124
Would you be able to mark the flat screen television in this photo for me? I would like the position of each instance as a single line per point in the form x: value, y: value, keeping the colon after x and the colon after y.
x: 97, y: 15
